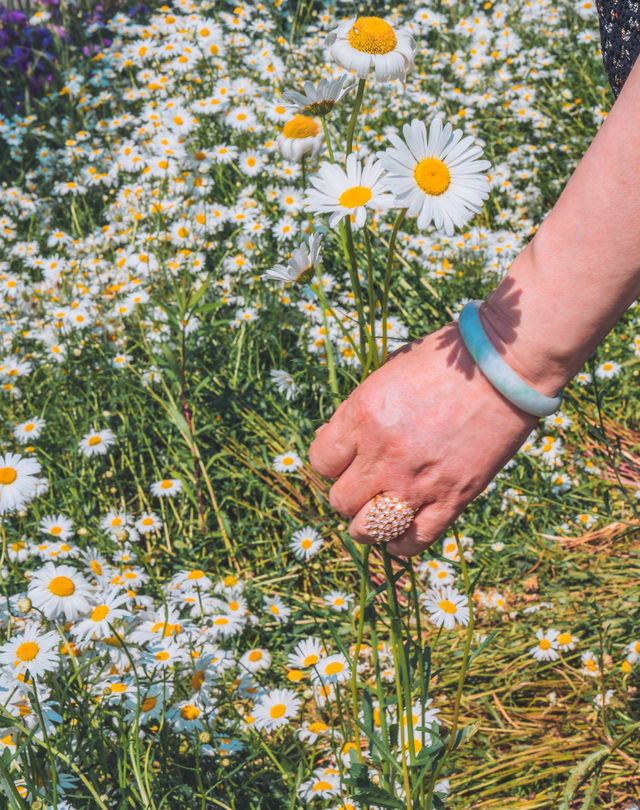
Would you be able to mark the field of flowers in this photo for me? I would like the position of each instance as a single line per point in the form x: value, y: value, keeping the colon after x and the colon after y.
x: 184, y: 298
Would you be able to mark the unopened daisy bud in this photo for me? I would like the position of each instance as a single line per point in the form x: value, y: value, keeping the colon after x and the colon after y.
x: 300, y: 137
x: 204, y: 737
x: 121, y: 535
x: 37, y: 805
x: 24, y: 604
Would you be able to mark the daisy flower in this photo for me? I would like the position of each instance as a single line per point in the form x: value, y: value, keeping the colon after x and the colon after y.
x: 148, y: 522
x: 566, y: 641
x: 608, y: 369
x: 287, y: 462
x: 446, y: 607
x: 300, y: 137
x: 255, y: 660
x: 166, y: 488
x: 275, y: 709
x: 31, y: 429
x: 547, y: 647
x: 301, y: 265
x: 590, y: 664
x: 284, y: 382
x: 601, y: 700
x: 307, y: 653
x: 277, y: 608
x: 338, y: 600
x: 318, y: 99
x: 323, y: 784
x: 59, y: 590
x: 102, y: 615
x: 18, y: 482
x: 305, y: 543
x: 57, y: 526
x: 436, y: 176
x: 371, y: 42
x: 332, y: 669
x: 33, y: 650
x: 96, y: 443
x: 348, y: 192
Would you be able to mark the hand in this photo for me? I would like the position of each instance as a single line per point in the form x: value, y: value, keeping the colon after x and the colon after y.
x: 427, y: 427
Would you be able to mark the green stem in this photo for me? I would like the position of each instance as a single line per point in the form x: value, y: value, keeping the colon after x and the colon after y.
x: 461, y: 677
x: 333, y: 379
x: 403, y: 690
x: 327, y: 138
x: 357, y: 288
x: 387, y: 280
x: 354, y: 115
x: 372, y: 303
x: 356, y: 655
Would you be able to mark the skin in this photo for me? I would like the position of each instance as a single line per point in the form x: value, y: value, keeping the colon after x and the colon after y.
x: 428, y: 426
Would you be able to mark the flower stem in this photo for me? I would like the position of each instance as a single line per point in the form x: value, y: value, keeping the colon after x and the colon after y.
x: 354, y: 115
x: 327, y: 138
x: 356, y: 654
x: 387, y: 280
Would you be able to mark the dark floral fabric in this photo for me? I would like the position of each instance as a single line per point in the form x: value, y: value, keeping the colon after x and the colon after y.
x: 619, y: 38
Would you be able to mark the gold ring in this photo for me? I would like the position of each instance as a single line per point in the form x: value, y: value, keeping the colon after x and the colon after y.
x: 388, y: 517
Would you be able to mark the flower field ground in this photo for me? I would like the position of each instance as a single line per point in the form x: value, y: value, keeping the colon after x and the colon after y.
x: 185, y: 621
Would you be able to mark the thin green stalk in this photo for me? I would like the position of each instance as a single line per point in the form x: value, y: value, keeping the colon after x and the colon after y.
x: 327, y: 138
x: 354, y: 115
x: 387, y: 279
x: 372, y: 300
x: 52, y: 759
x: 357, y: 289
x: 356, y: 655
x: 333, y: 379
x: 461, y: 677
x: 402, y: 684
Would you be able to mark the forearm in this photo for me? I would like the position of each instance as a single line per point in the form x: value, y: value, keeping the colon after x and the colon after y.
x: 571, y: 284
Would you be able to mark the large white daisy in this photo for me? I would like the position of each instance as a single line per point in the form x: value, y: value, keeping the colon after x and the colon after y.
x: 371, y: 42
x: 62, y: 589
x: 33, y: 650
x: 348, y: 192
x: 437, y: 177
x: 18, y: 482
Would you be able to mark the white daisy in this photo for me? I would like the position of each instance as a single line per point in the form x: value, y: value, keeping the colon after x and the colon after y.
x: 436, y: 177
x: 96, y: 442
x: 332, y: 669
x: 318, y: 99
x: 348, y: 192
x: 305, y: 543
x: 338, y: 600
x: 446, y: 607
x: 307, y: 653
x: 371, y: 42
x: 166, y: 488
x: 58, y: 526
x: 284, y: 382
x: 275, y: 709
x: 608, y: 369
x: 255, y: 660
x: 300, y: 137
x: 324, y: 783
x: 148, y: 522
x: 33, y: 650
x: 31, y: 429
x: 547, y: 647
x: 301, y: 265
x: 59, y: 590
x: 18, y: 482
x: 104, y: 613
x: 287, y: 462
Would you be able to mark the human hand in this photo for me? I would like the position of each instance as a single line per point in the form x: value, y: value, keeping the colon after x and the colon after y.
x: 427, y: 427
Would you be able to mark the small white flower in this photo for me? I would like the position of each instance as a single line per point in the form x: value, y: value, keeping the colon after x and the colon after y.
x: 166, y: 488
x: 301, y: 266
x: 287, y: 462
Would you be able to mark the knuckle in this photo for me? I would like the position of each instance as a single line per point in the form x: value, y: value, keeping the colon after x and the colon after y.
x: 336, y: 499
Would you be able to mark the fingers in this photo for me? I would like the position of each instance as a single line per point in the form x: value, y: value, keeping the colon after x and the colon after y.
x: 354, y: 488
x: 334, y: 447
x: 430, y: 522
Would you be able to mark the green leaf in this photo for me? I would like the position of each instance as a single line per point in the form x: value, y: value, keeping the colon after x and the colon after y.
x: 378, y: 797
x: 580, y: 773
x: 493, y: 634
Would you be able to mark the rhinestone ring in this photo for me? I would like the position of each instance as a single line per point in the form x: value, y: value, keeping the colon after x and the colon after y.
x: 388, y: 517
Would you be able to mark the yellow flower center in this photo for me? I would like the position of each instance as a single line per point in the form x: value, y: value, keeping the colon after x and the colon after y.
x: 7, y: 475
x: 62, y: 586
x: 29, y: 427
x: 432, y: 176
x: 278, y: 710
x: 318, y: 727
x: 322, y: 785
x: 56, y: 529
x: 310, y: 660
x: 147, y: 521
x: 118, y: 687
x: 334, y: 667
x: 354, y: 197
x: 27, y: 651
x: 163, y: 655
x: 197, y: 679
x: 166, y: 484
x: 189, y: 712
x: 96, y: 567
x: 301, y: 126
x: 372, y: 35
x: 148, y: 704
x: 98, y: 613
x: 197, y: 574
x: 306, y: 543
x: 545, y: 644
x: 564, y: 638
x: 255, y: 655
x: 94, y: 440
x: 448, y: 606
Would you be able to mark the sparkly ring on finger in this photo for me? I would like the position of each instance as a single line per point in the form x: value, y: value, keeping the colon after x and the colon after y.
x: 388, y: 517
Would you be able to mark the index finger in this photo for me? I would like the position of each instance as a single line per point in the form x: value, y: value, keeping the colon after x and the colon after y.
x: 335, y: 446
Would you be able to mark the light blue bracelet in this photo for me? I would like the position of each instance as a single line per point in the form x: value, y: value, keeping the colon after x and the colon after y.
x: 496, y: 370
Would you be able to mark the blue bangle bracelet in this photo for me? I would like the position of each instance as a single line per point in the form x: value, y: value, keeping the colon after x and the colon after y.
x: 496, y: 370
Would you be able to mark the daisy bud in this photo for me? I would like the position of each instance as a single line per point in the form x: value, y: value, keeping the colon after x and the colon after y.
x: 204, y: 737
x: 24, y: 604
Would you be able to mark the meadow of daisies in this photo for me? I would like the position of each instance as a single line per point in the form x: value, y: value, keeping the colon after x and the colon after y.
x: 200, y: 257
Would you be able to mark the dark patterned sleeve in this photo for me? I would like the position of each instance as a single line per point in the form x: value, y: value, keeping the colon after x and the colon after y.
x: 619, y: 37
